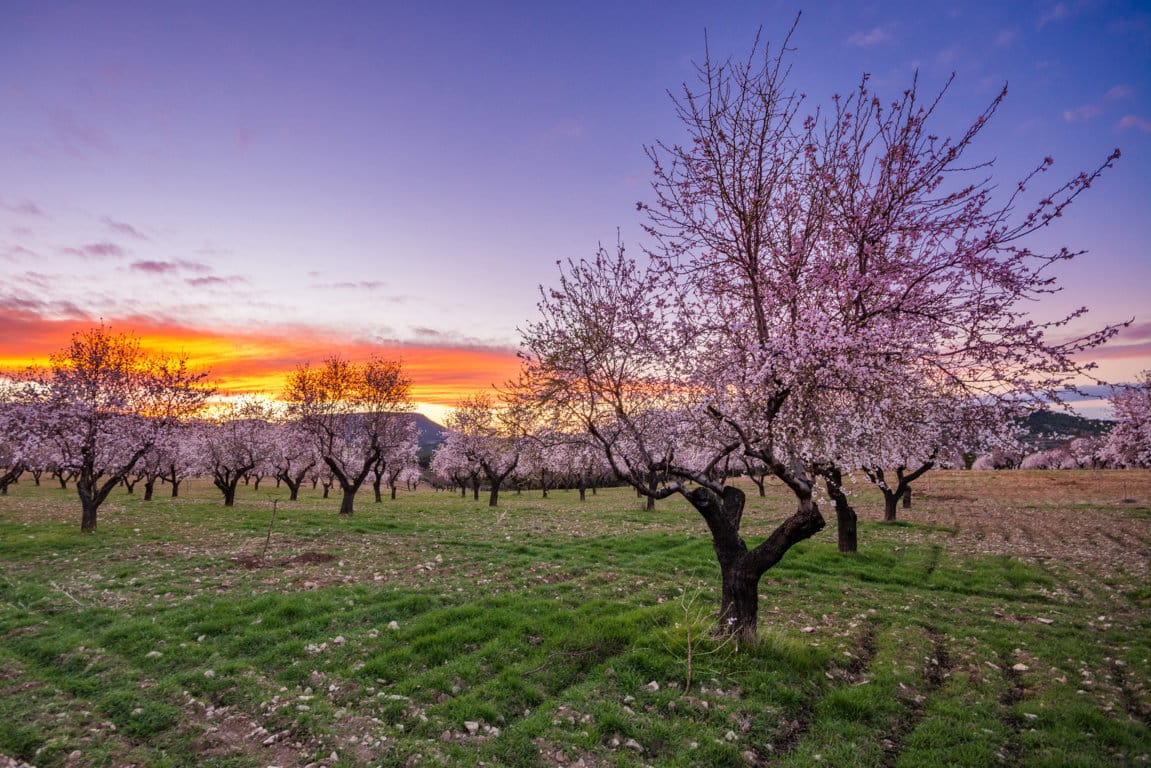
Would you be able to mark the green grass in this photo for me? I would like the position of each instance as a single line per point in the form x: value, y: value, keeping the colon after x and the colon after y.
x: 433, y: 630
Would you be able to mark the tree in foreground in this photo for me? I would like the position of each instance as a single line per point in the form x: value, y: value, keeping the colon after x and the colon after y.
x: 1129, y: 443
x: 104, y: 403
x: 347, y: 409
x: 811, y: 274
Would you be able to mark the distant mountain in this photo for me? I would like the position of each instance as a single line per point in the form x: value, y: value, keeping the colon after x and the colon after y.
x: 1048, y: 429
x: 431, y: 434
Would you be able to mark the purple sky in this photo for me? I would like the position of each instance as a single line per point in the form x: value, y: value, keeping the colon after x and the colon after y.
x: 403, y: 171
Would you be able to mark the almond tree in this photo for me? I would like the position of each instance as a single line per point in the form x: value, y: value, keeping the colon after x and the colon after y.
x: 401, y: 452
x: 291, y: 455
x: 488, y: 436
x: 104, y: 403
x: 450, y: 462
x: 810, y: 271
x: 15, y: 443
x: 1129, y: 443
x: 232, y: 443
x: 347, y: 408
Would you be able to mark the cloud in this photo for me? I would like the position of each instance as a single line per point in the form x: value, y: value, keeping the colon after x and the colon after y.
x: 22, y: 208
x: 169, y: 267
x: 99, y: 250
x: 74, y: 137
x: 1120, y: 92
x: 1134, y: 121
x: 215, y: 281
x: 1085, y: 112
x: 360, y: 285
x: 1136, y: 331
x: 1005, y: 37
x: 871, y: 37
x: 121, y: 228
x: 14, y: 252
x: 243, y: 361
x: 567, y: 128
x: 1058, y: 12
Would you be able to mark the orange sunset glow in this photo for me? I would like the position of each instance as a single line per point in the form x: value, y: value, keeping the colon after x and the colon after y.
x: 240, y: 363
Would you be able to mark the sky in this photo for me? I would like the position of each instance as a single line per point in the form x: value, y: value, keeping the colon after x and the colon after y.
x: 260, y: 184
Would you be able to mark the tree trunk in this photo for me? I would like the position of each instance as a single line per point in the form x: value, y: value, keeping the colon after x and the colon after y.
x: 476, y: 489
x: 393, y: 487
x: 149, y: 487
x: 347, y: 501
x: 494, y: 496
x: 88, y: 515
x: 890, y: 502
x: 739, y: 604
x: 758, y: 480
x: 741, y: 569
x: 847, y: 522
x: 292, y: 483
x: 10, y: 475
x: 907, y: 498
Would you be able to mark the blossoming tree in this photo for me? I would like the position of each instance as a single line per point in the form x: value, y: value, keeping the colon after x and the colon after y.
x: 1129, y: 443
x: 104, y: 403
x: 347, y: 409
x: 810, y: 274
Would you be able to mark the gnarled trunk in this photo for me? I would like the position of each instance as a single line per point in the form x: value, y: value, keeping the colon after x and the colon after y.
x: 740, y: 568
x: 847, y: 522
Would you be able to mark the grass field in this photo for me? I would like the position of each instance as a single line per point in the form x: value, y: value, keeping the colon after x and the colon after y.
x: 1004, y: 620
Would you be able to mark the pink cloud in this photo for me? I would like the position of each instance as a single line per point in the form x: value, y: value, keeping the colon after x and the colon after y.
x: 96, y: 250
x: 169, y: 267
x: 122, y: 228
x: 369, y: 285
x: 870, y: 37
x: 1086, y: 112
x: 1134, y: 121
x: 23, y: 208
x: 215, y: 281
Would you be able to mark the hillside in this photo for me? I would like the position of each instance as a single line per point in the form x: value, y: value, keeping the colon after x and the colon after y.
x: 431, y: 434
x: 1046, y: 429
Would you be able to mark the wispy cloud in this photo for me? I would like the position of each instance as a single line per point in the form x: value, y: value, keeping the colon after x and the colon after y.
x: 359, y: 285
x: 215, y: 281
x: 101, y: 250
x: 870, y: 37
x: 22, y: 208
x: 1134, y: 121
x: 14, y: 252
x: 1058, y: 12
x: 1088, y: 111
x: 567, y: 129
x: 169, y: 267
x: 1005, y: 37
x: 122, y: 228
x: 1080, y: 114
